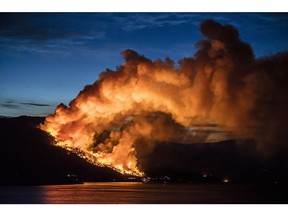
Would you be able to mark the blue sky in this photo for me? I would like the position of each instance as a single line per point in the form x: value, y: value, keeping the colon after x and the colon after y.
x: 47, y: 58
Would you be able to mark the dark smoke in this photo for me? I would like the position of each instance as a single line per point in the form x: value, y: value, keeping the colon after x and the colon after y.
x: 255, y: 92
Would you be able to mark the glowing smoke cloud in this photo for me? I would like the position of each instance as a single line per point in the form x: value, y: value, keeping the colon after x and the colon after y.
x: 143, y: 102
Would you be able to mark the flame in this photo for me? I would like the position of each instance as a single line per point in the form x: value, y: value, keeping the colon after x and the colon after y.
x: 99, y: 158
x: 121, y: 116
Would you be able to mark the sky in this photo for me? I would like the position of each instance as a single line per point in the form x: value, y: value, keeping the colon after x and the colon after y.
x: 47, y: 58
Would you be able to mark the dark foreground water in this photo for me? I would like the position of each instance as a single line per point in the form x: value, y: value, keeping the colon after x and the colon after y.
x: 139, y: 193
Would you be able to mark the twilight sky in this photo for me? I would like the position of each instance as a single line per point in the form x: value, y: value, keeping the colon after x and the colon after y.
x: 47, y: 58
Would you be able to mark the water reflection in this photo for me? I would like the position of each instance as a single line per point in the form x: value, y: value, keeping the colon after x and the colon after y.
x: 138, y: 193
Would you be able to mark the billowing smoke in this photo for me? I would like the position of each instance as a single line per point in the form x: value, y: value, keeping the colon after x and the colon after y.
x: 222, y: 92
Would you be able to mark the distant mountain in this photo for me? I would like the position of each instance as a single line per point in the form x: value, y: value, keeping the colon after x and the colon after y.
x: 230, y: 160
x: 28, y: 158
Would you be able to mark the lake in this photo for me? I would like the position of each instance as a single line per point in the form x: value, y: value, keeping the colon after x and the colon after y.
x: 139, y: 193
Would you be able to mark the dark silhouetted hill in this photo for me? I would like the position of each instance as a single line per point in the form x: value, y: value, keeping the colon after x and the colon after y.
x: 28, y: 158
x: 233, y: 161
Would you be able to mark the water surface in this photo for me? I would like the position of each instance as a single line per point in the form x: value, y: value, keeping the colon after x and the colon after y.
x: 139, y: 193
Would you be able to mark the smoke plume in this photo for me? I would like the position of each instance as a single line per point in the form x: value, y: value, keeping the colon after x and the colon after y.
x: 222, y: 92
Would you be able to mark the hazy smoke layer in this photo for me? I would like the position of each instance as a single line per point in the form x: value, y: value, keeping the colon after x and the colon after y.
x: 222, y: 89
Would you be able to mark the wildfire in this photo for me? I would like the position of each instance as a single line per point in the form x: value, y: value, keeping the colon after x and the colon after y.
x: 100, y: 159
x: 120, y: 117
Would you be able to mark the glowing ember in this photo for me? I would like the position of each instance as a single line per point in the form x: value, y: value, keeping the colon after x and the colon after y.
x: 120, y: 117
x: 226, y: 180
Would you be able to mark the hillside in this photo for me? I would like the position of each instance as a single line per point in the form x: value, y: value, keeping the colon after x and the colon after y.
x: 28, y: 158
